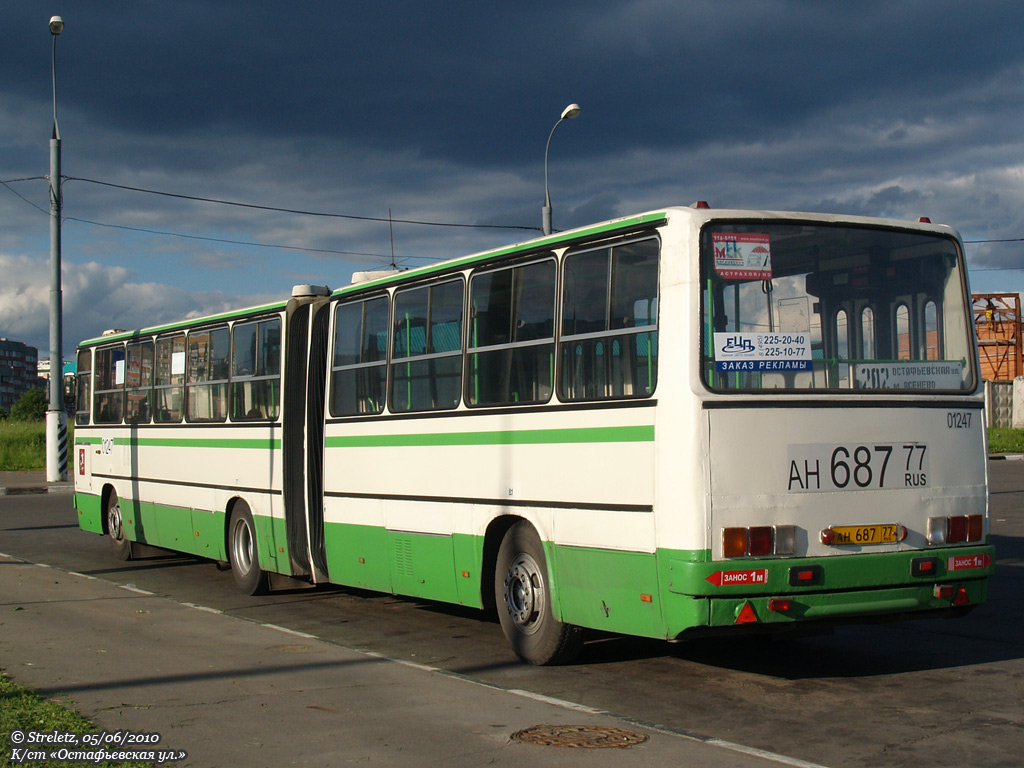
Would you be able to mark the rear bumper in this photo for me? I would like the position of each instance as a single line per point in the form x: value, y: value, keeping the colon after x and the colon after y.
x: 887, y: 586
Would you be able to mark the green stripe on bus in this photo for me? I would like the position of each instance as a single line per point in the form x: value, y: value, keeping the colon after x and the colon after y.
x: 633, y: 434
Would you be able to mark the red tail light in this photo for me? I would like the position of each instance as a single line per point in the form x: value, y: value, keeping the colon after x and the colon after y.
x: 759, y: 541
x: 957, y: 529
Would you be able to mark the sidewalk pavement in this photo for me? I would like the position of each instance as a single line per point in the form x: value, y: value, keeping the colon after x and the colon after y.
x: 232, y: 692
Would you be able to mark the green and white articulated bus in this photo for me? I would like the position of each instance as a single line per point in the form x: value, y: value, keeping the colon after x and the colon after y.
x: 681, y: 422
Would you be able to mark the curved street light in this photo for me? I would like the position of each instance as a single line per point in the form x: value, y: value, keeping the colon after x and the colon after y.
x: 568, y: 113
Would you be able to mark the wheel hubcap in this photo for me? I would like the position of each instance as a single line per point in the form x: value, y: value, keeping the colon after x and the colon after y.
x: 114, y: 521
x: 524, y: 593
x: 242, y: 548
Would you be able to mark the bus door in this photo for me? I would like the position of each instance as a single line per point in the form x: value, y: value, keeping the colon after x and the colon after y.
x: 303, y: 430
x: 82, y: 400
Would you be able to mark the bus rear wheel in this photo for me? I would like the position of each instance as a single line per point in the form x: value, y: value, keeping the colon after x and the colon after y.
x: 245, y: 566
x: 523, y: 599
x: 119, y: 543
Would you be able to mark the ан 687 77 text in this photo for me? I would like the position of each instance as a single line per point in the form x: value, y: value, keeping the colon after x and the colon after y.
x: 857, y: 467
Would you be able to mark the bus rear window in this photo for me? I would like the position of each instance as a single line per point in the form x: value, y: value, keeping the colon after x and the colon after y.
x: 820, y: 307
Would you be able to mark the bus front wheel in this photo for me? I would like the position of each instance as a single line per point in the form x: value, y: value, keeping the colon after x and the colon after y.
x: 245, y: 566
x: 119, y: 543
x: 523, y: 599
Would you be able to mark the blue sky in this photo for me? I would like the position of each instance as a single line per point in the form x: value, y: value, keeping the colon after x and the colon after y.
x: 439, y: 112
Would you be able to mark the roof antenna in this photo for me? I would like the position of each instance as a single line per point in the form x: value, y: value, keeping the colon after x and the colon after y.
x: 391, y: 228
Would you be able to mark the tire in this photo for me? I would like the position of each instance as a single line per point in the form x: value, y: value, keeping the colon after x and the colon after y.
x: 119, y: 543
x: 242, y: 551
x: 523, y: 599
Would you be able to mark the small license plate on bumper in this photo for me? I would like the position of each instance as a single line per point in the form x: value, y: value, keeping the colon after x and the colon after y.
x: 864, y: 534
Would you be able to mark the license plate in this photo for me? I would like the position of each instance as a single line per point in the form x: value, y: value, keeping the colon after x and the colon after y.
x: 868, y: 466
x: 865, y: 534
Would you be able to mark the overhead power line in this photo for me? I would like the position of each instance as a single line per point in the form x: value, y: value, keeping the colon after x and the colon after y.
x: 7, y: 182
x: 299, y: 211
x: 232, y: 242
x: 325, y: 214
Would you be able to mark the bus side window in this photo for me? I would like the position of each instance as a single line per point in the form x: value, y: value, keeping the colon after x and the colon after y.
x: 359, y: 370
x: 206, y: 382
x: 256, y: 370
x: 169, y: 378
x: 867, y: 333
x: 108, y: 401
x: 932, y: 346
x: 904, y: 338
x: 83, y: 394
x: 426, y: 367
x: 842, y: 331
x: 609, y: 332
x: 511, y: 335
x: 139, y: 382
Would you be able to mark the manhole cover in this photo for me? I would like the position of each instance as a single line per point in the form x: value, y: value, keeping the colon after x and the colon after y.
x: 580, y: 736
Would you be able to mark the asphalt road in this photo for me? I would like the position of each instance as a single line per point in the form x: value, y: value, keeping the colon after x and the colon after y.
x: 935, y: 692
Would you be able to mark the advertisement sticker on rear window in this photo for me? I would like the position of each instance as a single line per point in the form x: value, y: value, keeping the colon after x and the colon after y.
x: 743, y: 351
x: 742, y: 257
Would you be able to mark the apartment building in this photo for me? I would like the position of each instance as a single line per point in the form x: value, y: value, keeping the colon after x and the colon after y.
x: 18, y: 371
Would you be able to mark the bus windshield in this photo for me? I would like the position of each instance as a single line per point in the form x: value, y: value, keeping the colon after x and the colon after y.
x: 800, y: 306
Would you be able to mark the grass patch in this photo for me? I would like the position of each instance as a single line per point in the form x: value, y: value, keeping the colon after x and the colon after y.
x: 1002, y: 440
x: 23, y: 710
x: 23, y: 445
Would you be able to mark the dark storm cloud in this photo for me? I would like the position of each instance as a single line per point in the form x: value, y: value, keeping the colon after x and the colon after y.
x: 439, y: 112
x: 481, y: 80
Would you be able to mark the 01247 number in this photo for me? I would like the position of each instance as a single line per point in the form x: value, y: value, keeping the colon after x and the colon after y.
x: 857, y: 467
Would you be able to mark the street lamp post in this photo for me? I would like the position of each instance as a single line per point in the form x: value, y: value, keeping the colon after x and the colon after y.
x: 567, y: 114
x: 56, y: 417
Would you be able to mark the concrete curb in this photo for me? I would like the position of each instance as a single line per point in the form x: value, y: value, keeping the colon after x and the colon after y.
x: 62, y: 488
